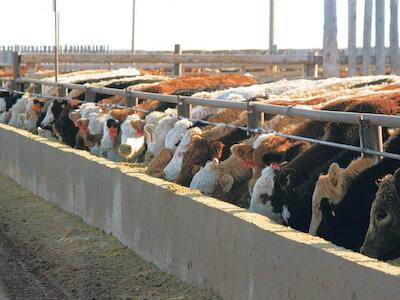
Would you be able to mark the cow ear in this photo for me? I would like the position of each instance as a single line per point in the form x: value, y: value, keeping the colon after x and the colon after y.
x: 195, y: 137
x: 215, y: 161
x: 397, y: 181
x: 237, y: 150
x: 333, y: 174
x: 137, y: 124
x: 216, y: 148
x: 226, y: 182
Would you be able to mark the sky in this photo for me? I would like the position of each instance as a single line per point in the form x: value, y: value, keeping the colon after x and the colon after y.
x: 205, y: 24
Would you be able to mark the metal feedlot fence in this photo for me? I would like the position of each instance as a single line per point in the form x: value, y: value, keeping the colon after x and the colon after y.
x: 370, y: 125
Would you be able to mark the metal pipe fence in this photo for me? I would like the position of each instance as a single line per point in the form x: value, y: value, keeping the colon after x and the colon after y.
x: 367, y: 122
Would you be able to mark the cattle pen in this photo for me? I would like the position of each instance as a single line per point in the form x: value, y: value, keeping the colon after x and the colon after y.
x: 203, y: 241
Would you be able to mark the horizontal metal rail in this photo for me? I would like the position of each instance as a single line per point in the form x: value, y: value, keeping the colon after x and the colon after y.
x: 319, y: 115
x: 325, y: 116
x: 170, y: 58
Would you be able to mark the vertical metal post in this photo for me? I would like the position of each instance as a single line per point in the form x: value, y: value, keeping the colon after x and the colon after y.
x: 62, y: 92
x: 133, y: 25
x: 183, y: 108
x: 56, y: 40
x: 254, y: 118
x: 272, y: 46
x: 370, y: 137
x: 178, y: 67
x: 90, y: 95
x: 131, y: 101
x: 394, y: 37
x: 38, y: 89
x: 16, y: 69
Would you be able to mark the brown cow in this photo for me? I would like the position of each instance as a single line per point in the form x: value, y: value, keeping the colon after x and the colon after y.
x: 200, y: 151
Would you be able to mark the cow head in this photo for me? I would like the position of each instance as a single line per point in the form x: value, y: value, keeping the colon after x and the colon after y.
x: 114, y: 128
x: 74, y: 116
x: 332, y: 187
x: 175, y: 135
x: 82, y: 124
x: 245, y: 153
x: 329, y: 189
x: 49, y: 117
x: 382, y: 239
x: 262, y: 191
x: 96, y: 121
x: 33, y: 110
x: 198, y: 153
x: 173, y: 168
x: 37, y: 106
x: 206, y: 179
x: 158, y: 163
x: 132, y: 138
x: 157, y: 133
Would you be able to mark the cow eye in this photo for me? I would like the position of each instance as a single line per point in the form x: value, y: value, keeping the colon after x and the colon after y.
x: 381, y: 215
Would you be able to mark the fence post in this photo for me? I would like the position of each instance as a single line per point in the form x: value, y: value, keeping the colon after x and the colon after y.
x: 366, y: 60
x: 183, y: 108
x: 178, y: 67
x: 370, y: 137
x: 131, y: 101
x: 38, y: 89
x: 90, y: 95
x: 380, y: 57
x: 254, y: 118
x: 62, y: 91
x: 16, y: 69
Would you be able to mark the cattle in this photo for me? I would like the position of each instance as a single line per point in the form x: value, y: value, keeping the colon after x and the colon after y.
x: 53, y: 112
x: 298, y: 169
x: 17, y: 109
x: 159, y: 162
x: 200, y: 151
x: 334, y: 185
x: 132, y: 141
x: 260, y: 199
x: 191, y: 85
x: 159, y: 132
x: 6, y: 102
x: 220, y: 176
x: 175, y: 134
x: 383, y: 235
x: 296, y: 206
x: 114, y: 133
x: 173, y: 168
x: 346, y: 223
x: 224, y: 135
x: 33, y: 114
x: 64, y: 127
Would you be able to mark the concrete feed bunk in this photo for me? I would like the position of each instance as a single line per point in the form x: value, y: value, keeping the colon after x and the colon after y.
x: 203, y: 241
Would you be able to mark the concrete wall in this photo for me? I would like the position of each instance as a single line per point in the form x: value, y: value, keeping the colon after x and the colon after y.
x: 203, y: 241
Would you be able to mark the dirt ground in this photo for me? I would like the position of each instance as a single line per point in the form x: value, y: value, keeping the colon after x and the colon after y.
x: 46, y: 253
